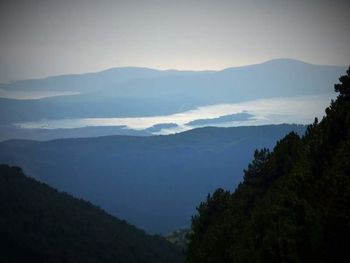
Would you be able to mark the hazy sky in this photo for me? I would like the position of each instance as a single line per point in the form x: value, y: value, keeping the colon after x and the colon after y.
x: 50, y: 37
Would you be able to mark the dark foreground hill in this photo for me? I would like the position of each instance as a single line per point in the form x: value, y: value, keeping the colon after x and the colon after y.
x: 153, y: 182
x: 40, y: 224
x: 294, y: 203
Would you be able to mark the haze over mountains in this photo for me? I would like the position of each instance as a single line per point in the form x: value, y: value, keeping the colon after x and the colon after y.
x: 114, y: 81
x: 132, y: 100
x: 150, y: 172
x: 153, y: 182
x: 174, y: 131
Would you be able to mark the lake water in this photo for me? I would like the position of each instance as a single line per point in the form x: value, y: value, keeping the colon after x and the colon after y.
x: 297, y: 110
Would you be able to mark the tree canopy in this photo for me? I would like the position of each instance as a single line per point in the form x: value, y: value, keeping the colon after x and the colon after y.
x: 293, y: 204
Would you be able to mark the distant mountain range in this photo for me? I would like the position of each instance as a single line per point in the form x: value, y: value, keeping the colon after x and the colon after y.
x: 153, y: 182
x: 130, y: 92
x: 40, y: 224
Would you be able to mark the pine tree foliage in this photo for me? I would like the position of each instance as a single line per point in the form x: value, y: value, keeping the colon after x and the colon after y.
x: 293, y: 204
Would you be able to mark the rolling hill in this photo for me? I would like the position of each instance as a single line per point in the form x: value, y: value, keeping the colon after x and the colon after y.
x: 153, y: 182
x: 130, y: 92
x: 40, y: 224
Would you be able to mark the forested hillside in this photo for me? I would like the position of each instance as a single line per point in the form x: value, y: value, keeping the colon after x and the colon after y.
x: 294, y: 202
x: 40, y: 224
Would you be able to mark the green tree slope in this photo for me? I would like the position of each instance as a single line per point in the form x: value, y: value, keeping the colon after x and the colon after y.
x: 294, y: 202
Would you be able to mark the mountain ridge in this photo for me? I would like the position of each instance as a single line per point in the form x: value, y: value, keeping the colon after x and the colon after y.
x: 109, y: 70
x: 40, y: 224
x: 149, y: 172
x: 170, y: 93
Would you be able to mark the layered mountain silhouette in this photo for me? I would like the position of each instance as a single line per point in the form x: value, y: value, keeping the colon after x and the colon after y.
x: 152, y: 182
x: 40, y: 224
x: 128, y: 92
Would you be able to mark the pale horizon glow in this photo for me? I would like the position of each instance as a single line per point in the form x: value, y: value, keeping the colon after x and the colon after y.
x: 41, y: 38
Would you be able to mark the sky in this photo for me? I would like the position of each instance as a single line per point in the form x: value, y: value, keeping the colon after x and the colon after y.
x: 42, y: 38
